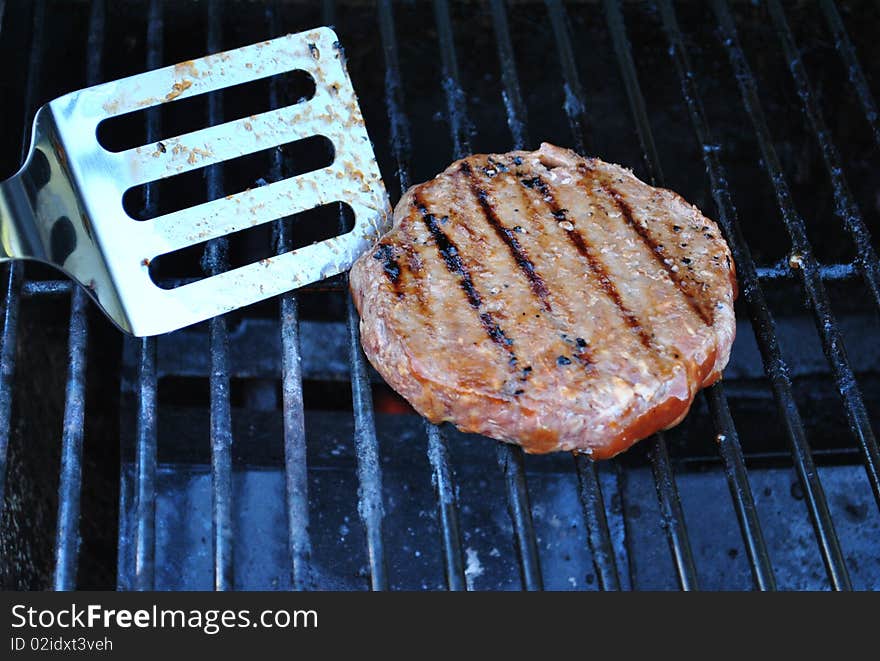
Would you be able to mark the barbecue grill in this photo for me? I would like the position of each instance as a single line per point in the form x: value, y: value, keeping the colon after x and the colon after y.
x: 260, y: 451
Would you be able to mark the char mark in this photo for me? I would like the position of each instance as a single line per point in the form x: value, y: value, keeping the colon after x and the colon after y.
x: 588, y: 253
x: 494, y: 331
x: 581, y: 350
x: 657, y: 250
x: 608, y: 286
x: 449, y: 252
x: 454, y: 264
x: 412, y: 270
x: 520, y: 257
x: 390, y: 265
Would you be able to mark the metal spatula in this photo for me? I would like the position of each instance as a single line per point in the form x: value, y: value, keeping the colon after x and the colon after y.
x: 65, y: 205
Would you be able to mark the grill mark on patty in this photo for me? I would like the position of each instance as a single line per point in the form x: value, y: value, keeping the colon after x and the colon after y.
x: 520, y: 257
x: 588, y: 252
x: 390, y: 266
x: 631, y: 319
x: 413, y: 264
x: 657, y: 251
x: 454, y: 264
x: 580, y: 348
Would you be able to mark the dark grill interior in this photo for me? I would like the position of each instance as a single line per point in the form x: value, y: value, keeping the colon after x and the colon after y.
x: 259, y: 450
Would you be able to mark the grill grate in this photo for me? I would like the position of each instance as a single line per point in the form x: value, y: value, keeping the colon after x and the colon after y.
x: 762, y: 321
x: 667, y: 493
x: 510, y: 459
x: 70, y: 480
x: 145, y: 506
x: 728, y: 441
x: 139, y: 531
x: 292, y: 395
x: 854, y: 68
x: 438, y: 453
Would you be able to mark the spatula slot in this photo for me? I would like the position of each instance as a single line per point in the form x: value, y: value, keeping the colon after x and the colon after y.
x: 254, y: 244
x: 239, y: 174
x: 179, y: 116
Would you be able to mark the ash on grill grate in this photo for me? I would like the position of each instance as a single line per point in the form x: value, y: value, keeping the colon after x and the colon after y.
x: 261, y: 426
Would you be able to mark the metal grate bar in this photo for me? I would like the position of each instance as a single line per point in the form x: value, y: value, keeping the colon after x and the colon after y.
x: 147, y: 383
x: 845, y: 206
x: 513, y: 102
x: 671, y: 514
x: 293, y: 415
x: 369, y: 470
x: 399, y: 125
x: 853, y: 68
x: 575, y: 108
x: 456, y: 109
x: 849, y: 213
x: 221, y: 412
x: 740, y: 489
x: 829, y: 332
x: 598, y: 534
x: 762, y: 321
x: 38, y: 288
x: 728, y: 440
x: 295, y: 466
x: 517, y: 121
x: 676, y: 530
x: 145, y: 468
x: 828, y: 272
x: 8, y: 341
x: 67, y: 537
x: 623, y: 52
x: 841, y: 272
x: 15, y: 268
x: 370, y: 507
x: 444, y: 482
x: 509, y: 458
x: 438, y: 452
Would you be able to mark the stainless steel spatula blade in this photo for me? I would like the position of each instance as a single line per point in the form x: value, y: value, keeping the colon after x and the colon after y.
x: 65, y: 206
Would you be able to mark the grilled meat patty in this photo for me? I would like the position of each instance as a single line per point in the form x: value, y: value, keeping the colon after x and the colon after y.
x: 547, y: 300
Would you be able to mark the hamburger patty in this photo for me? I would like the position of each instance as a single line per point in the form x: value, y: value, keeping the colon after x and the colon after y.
x: 547, y: 300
